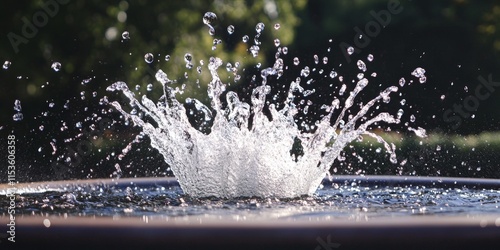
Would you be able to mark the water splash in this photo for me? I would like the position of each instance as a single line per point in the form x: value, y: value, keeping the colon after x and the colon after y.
x: 248, y: 153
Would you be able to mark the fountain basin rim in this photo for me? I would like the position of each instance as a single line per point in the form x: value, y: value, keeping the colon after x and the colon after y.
x: 385, y: 233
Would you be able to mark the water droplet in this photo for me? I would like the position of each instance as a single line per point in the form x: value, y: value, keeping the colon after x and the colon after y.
x: 41, y: 128
x: 277, y: 26
x: 6, y: 64
x: 245, y: 38
x: 305, y: 71
x: 438, y: 148
x: 161, y: 77
x: 126, y: 35
x: 149, y: 58
x: 188, y: 57
x: 422, y: 79
x: 316, y: 59
x: 342, y: 89
x: 325, y: 60
x: 418, y: 72
x: 230, y: 29
x: 400, y: 114
x: 333, y: 74
x: 412, y: 118
x: 350, y: 50
x: 296, y: 61
x: 285, y: 50
x: 17, y: 117
x: 370, y: 57
x: 442, y: 97
x: 255, y: 50
x: 209, y: 18
x: 85, y: 81
x: 149, y: 87
x: 420, y: 132
x: 17, y: 106
x: 56, y: 66
x: 277, y: 42
x: 403, y: 102
x: 167, y: 58
x: 361, y: 65
x: 402, y: 82
x: 259, y: 27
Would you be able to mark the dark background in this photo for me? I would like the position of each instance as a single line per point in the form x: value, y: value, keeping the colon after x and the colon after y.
x: 456, y: 42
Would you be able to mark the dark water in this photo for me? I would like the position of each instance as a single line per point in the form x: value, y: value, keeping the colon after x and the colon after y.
x: 338, y: 199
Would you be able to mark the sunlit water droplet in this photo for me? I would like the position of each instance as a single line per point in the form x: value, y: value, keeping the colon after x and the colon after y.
x: 148, y: 58
x: 6, y: 64
x: 361, y: 65
x: 188, y: 57
x: 305, y: 71
x: 402, y: 82
x: 56, y: 66
x: 18, y: 116
x: 208, y: 19
x: 277, y: 26
x: 245, y: 38
x: 254, y: 50
x: 296, y: 61
x: 259, y: 27
x: 277, y: 42
x: 126, y: 35
x: 167, y: 58
x: 17, y: 106
x: 400, y: 114
x: 420, y: 132
x: 230, y: 29
x: 342, y: 89
x: 418, y: 72
x: 350, y: 50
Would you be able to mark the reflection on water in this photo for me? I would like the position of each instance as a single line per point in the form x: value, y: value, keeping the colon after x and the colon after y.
x: 348, y: 200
